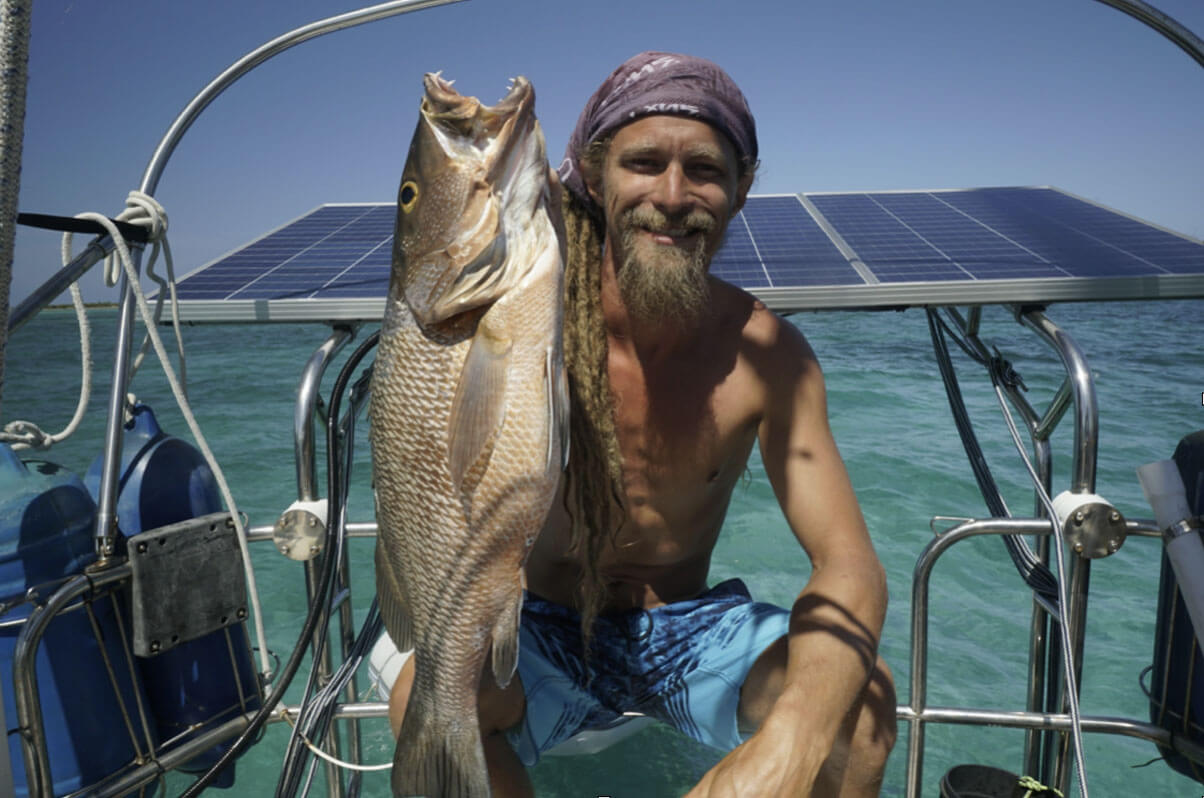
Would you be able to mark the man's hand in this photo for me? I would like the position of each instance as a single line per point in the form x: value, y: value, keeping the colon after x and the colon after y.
x: 768, y: 764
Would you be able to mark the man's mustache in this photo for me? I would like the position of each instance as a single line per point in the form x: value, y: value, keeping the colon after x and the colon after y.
x: 695, y: 221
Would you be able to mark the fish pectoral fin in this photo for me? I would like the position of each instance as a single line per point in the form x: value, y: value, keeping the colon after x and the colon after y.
x: 505, y: 640
x: 479, y: 405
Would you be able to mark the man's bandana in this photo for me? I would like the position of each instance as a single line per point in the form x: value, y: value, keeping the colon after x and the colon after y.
x: 659, y: 83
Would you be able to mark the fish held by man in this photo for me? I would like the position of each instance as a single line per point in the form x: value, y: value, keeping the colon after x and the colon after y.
x: 469, y: 415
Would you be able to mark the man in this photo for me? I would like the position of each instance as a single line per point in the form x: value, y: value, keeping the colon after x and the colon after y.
x: 674, y: 375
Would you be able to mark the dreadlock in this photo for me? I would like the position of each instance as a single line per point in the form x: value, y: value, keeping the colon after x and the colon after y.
x: 594, y: 482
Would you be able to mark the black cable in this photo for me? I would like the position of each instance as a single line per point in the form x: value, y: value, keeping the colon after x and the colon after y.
x: 317, y: 704
x: 296, y: 753
x: 1035, y: 574
x: 340, y: 451
x: 311, y: 620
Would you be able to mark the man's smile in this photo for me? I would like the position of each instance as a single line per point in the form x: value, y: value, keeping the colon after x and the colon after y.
x: 673, y: 237
x: 685, y: 231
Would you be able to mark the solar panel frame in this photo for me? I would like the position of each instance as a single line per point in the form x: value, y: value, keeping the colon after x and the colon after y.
x: 807, y: 251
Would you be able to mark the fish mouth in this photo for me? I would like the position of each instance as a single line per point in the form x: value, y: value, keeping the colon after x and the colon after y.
x: 467, y: 117
x: 496, y: 154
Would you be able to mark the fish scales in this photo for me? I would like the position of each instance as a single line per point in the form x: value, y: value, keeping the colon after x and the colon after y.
x: 469, y: 416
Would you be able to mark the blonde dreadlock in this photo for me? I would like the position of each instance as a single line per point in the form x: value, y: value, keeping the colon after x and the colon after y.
x: 594, y: 484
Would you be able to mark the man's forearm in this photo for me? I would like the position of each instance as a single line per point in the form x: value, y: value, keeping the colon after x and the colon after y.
x: 835, y: 626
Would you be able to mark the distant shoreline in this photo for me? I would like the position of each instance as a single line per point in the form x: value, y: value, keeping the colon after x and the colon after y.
x: 86, y: 304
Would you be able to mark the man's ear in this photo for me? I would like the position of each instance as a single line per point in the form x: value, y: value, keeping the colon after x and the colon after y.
x: 743, y: 185
x: 592, y: 186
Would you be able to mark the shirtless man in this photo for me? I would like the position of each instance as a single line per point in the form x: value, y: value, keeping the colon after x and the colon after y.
x: 662, y: 159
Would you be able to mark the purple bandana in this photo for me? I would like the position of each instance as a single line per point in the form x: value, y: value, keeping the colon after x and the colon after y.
x: 659, y: 83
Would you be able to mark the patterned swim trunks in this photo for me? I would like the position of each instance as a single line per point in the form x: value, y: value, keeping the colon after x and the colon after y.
x: 682, y: 663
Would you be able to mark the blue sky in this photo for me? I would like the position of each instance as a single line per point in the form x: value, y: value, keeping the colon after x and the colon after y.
x: 852, y: 95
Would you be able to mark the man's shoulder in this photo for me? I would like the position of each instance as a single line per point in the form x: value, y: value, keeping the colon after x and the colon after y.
x: 758, y: 326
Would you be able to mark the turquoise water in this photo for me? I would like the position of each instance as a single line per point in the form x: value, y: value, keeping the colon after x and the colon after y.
x: 894, y: 428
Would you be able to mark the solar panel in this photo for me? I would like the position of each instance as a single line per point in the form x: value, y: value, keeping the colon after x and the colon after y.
x: 806, y: 251
x: 337, y: 250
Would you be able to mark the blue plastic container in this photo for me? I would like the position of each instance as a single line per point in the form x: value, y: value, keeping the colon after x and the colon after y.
x: 46, y: 518
x: 165, y: 480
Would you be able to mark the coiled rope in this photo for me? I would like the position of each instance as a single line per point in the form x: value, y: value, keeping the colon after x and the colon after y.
x: 144, y: 211
x: 22, y: 434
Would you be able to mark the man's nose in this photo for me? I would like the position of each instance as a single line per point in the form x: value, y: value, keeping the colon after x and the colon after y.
x: 672, y: 189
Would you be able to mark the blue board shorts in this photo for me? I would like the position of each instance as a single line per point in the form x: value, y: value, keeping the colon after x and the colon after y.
x: 682, y: 663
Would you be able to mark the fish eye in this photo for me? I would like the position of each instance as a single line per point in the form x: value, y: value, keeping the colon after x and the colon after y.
x: 408, y: 195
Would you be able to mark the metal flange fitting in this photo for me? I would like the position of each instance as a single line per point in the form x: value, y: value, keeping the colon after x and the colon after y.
x: 300, y: 533
x: 1092, y: 526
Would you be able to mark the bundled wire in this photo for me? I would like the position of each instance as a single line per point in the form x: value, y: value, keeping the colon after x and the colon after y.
x: 319, y: 609
x: 318, y: 713
x: 1035, y: 574
x: 319, y: 701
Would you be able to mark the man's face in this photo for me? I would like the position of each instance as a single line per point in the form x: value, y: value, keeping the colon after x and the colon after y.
x: 669, y: 188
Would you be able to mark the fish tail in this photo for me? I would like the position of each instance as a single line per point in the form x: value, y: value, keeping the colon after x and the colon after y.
x: 439, y: 760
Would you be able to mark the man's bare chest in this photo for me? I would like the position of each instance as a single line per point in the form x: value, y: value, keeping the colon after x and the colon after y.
x: 683, y: 436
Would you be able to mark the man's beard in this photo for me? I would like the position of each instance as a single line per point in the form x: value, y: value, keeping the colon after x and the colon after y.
x: 663, y: 283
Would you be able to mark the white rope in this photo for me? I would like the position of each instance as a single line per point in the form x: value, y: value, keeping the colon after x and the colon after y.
x: 28, y: 435
x: 328, y: 757
x: 145, y: 212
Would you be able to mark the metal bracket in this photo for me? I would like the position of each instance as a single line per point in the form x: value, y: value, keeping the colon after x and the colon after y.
x: 1093, y: 527
x: 187, y: 582
x: 300, y: 533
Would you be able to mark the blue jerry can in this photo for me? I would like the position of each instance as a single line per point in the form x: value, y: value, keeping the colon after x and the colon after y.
x: 46, y: 525
x: 165, y: 480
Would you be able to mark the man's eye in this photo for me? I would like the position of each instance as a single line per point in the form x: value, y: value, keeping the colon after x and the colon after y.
x: 643, y: 164
x: 706, y: 171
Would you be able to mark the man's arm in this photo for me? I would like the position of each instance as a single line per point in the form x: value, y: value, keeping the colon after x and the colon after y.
x: 837, y: 619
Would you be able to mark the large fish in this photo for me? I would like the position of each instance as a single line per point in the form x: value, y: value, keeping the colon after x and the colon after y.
x: 469, y: 415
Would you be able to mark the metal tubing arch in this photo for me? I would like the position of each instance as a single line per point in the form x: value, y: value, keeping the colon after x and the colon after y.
x: 154, y: 169
x: 1039, y: 624
x: 96, y: 250
x: 143, y: 775
x: 1094, y: 724
x: 918, y: 693
x: 1082, y: 388
x: 355, y: 529
x: 106, y: 498
x: 1162, y: 22
x: 915, y: 712
x: 25, y: 676
x: 1057, y: 408
x: 304, y: 446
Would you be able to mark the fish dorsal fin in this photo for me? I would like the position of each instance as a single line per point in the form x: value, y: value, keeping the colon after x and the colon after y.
x: 479, y: 405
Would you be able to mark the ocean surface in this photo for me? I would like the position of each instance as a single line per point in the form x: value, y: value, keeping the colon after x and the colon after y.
x: 894, y: 428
